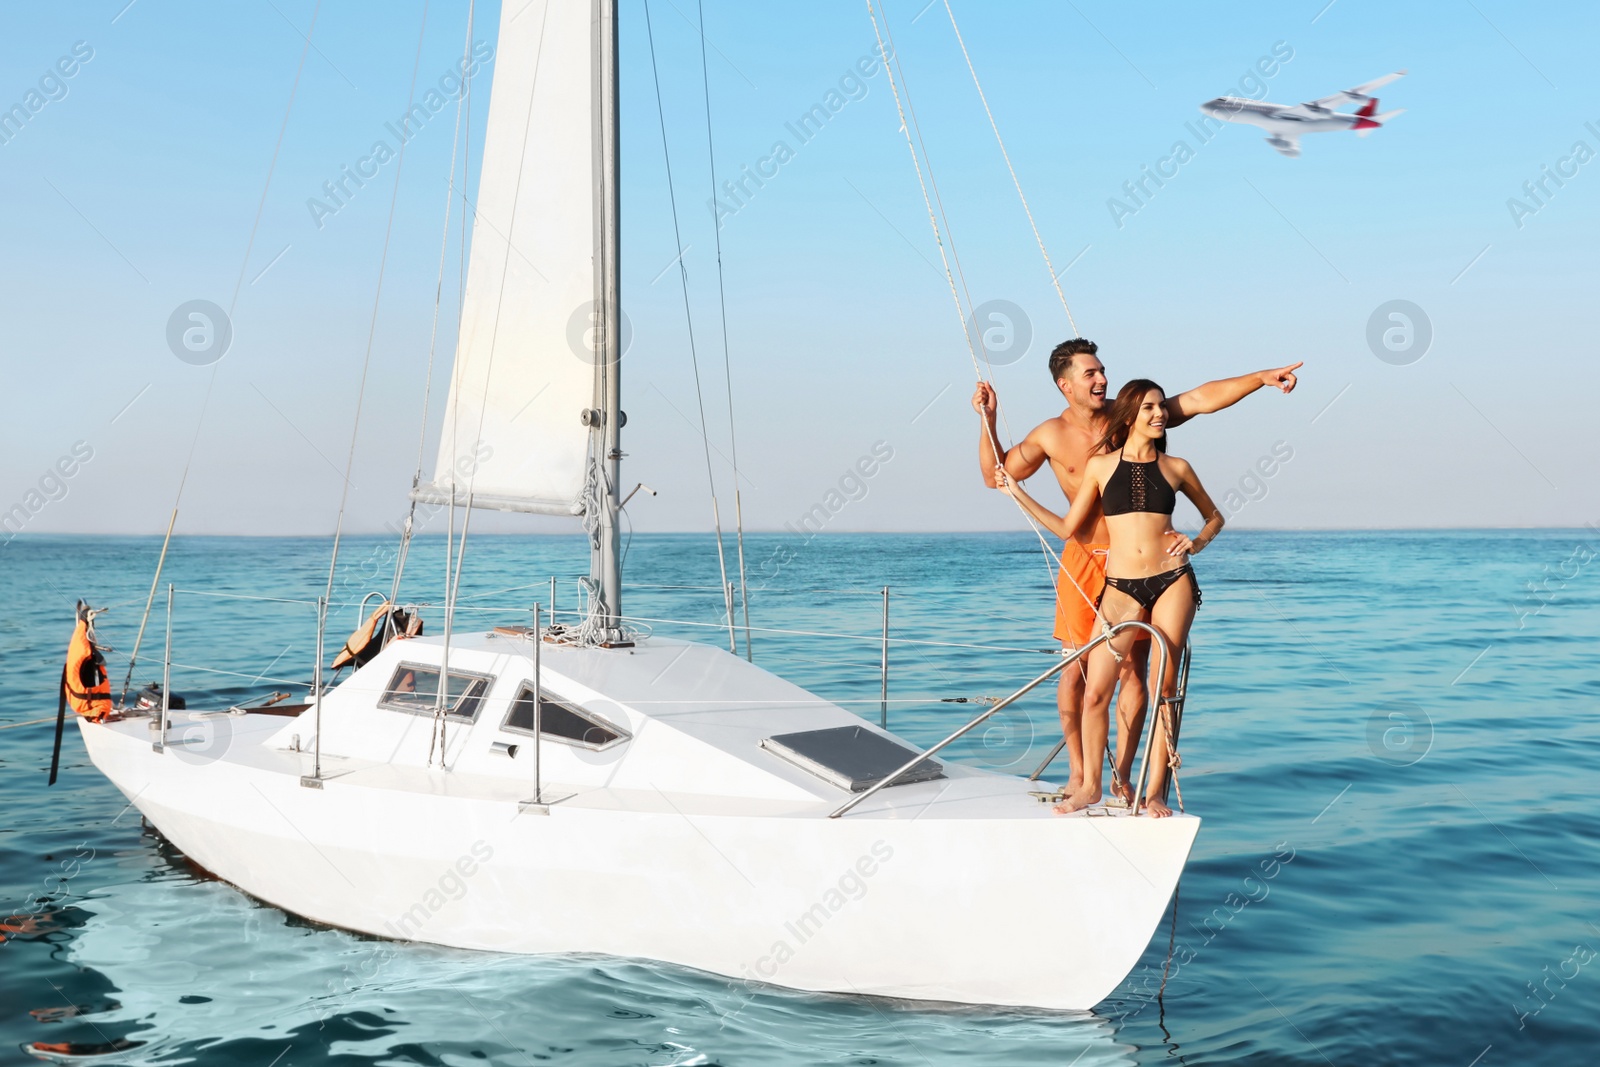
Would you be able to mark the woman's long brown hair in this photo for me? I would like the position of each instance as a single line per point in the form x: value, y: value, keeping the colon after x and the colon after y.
x: 1124, y: 410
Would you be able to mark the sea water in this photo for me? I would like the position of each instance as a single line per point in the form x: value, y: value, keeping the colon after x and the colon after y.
x: 1391, y: 738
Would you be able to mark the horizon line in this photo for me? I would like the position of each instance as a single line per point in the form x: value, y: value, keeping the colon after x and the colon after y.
x: 67, y: 534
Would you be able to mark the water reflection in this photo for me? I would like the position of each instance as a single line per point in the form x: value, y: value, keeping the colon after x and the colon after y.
x: 191, y: 970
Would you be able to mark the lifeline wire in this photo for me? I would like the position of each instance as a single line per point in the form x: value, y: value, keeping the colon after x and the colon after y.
x: 694, y: 358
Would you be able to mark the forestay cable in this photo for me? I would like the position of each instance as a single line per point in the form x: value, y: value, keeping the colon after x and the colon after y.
x: 727, y: 372
x: 205, y: 403
x: 694, y: 358
x: 462, y: 104
x: 372, y: 320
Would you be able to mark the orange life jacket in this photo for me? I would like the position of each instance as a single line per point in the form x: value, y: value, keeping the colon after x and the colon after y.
x: 371, y: 636
x: 88, y: 685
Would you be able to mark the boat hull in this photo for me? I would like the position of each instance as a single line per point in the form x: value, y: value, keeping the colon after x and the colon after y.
x: 1027, y: 911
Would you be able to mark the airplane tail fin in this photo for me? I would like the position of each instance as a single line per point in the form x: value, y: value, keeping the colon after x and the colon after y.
x: 1367, y: 125
x: 1369, y: 109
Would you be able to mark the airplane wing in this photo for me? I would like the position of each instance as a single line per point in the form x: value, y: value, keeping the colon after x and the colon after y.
x: 1286, y: 144
x: 1359, y: 94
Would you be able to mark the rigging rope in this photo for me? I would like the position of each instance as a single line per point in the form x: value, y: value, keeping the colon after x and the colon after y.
x: 452, y: 580
x: 694, y: 358
x: 1055, y: 281
x: 967, y: 314
x: 1052, y: 560
x: 372, y: 322
x: 438, y: 298
x: 205, y: 403
x: 727, y: 372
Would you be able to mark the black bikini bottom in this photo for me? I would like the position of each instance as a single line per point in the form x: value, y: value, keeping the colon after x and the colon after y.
x: 1148, y: 590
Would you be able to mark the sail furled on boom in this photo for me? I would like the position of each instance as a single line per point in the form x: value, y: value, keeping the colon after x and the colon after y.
x: 525, y: 368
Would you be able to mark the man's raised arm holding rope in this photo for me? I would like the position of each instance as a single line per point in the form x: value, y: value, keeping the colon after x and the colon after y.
x: 1067, y: 442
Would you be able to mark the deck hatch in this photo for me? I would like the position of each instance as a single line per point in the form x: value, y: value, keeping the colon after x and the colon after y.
x: 852, y: 758
x: 560, y: 721
x: 414, y: 687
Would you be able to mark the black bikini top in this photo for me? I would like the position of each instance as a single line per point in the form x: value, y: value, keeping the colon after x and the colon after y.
x: 1138, y: 487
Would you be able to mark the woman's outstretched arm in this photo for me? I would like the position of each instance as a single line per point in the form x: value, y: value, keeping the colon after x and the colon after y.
x: 1082, y: 509
x: 1189, y: 485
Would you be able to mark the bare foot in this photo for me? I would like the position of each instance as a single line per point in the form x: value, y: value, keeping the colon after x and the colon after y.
x: 1121, y: 791
x: 1156, y: 808
x: 1077, y: 801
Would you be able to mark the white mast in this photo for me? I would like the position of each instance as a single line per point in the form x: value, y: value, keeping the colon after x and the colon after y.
x: 605, y: 562
x: 533, y: 420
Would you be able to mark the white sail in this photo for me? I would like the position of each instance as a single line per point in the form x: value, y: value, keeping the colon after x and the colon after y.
x: 524, y: 374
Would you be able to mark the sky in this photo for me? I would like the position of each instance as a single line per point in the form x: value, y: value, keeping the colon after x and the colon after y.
x: 139, y: 182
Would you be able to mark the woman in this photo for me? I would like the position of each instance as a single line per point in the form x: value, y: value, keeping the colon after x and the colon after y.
x: 1148, y: 576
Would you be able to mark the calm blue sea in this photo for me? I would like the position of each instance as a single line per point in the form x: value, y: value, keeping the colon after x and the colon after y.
x: 1391, y: 736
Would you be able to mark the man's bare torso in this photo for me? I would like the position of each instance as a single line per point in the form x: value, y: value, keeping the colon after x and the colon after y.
x: 1068, y: 444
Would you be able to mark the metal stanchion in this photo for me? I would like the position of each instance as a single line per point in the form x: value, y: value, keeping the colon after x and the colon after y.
x: 537, y: 805
x: 315, y: 780
x: 160, y: 744
x: 883, y: 667
x: 538, y: 713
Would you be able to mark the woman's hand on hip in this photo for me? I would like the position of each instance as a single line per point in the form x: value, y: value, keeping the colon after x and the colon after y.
x: 1178, y: 544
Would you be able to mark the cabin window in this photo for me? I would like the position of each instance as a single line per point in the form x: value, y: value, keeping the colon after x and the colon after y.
x: 414, y: 687
x: 560, y: 721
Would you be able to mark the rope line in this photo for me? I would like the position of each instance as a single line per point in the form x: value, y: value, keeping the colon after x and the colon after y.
x: 975, y: 344
x: 372, y: 321
x: 727, y: 372
x: 1052, y: 559
x: 688, y: 315
x: 1174, y: 759
x: 438, y: 289
x: 242, y: 674
x: 1053, y: 563
x: 852, y: 637
x: 1055, y: 281
x: 205, y: 403
x: 916, y: 163
x: 438, y: 740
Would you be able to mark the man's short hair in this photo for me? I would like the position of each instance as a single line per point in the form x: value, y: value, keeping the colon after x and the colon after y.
x: 1061, y: 355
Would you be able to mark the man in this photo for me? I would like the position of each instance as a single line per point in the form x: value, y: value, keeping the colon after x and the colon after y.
x: 1067, y: 441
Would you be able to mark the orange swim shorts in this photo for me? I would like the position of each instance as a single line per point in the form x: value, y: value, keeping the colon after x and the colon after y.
x: 1078, y: 588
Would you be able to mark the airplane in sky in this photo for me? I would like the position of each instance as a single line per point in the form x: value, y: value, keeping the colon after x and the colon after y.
x: 1287, y: 123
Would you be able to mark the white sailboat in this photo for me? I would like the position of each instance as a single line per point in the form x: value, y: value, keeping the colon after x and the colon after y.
x: 152, y: 943
x: 585, y: 788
